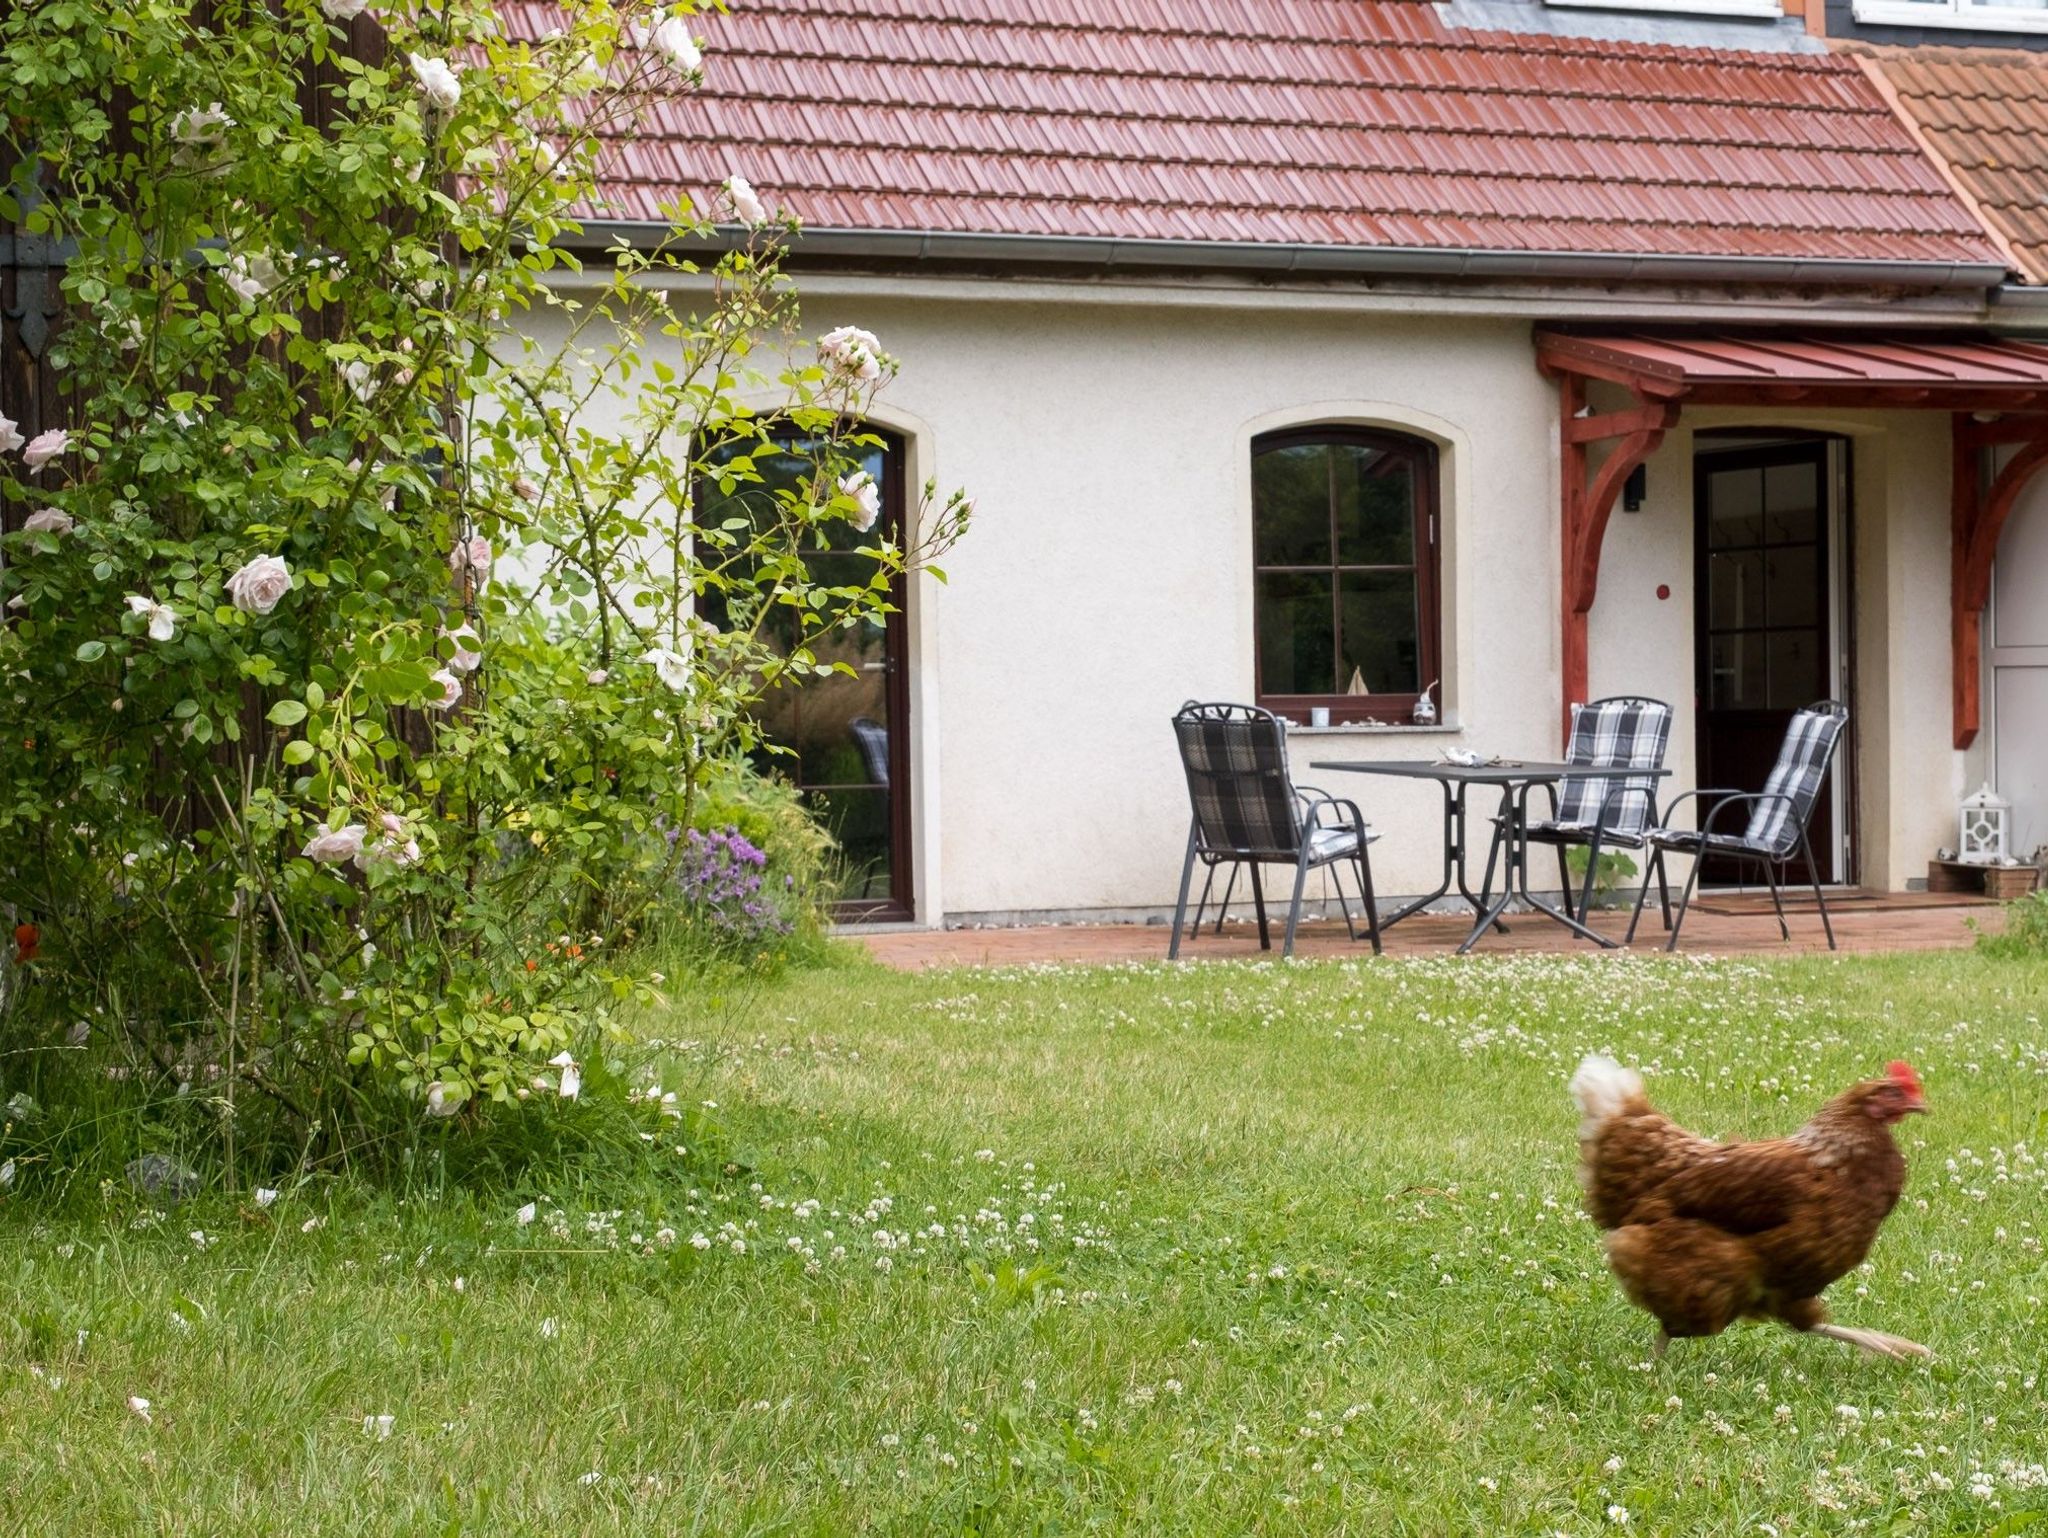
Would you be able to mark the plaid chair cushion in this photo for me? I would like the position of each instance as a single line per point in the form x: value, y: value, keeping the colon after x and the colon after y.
x: 1802, y: 764
x: 1236, y: 762
x: 1608, y: 734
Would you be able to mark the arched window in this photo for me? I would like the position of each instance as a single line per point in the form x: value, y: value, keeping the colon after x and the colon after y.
x: 1344, y: 551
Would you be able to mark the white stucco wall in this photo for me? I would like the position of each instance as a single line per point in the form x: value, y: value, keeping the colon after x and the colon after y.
x: 1108, y: 579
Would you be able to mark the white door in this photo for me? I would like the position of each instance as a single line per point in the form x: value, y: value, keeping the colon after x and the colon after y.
x: 2018, y: 647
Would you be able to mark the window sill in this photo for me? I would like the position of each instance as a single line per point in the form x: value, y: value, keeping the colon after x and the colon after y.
x: 1966, y: 18
x: 1375, y: 729
x: 1768, y: 10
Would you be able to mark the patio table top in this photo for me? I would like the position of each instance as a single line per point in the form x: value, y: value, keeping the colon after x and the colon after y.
x: 1507, y: 771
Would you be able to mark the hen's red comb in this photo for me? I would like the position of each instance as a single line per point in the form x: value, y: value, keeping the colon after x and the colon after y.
x: 1900, y: 1072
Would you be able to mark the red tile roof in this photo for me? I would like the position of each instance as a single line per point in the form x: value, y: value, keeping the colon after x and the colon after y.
x: 1984, y: 111
x: 1350, y: 123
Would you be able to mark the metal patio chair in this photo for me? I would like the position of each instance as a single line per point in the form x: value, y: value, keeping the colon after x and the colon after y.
x: 1778, y: 818
x: 1626, y: 731
x: 1248, y: 811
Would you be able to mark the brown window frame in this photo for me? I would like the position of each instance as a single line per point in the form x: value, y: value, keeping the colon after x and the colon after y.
x: 1428, y: 569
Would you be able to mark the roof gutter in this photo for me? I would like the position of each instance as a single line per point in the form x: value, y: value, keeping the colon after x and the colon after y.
x: 1275, y: 258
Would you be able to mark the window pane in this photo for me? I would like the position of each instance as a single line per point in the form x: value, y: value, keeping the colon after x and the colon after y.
x: 1297, y: 642
x: 1381, y: 634
x: 1735, y: 508
x: 1375, y: 507
x: 1738, y: 672
x: 1796, y: 672
x: 1791, y: 502
x: 1735, y: 590
x: 1793, y: 585
x: 1291, y: 505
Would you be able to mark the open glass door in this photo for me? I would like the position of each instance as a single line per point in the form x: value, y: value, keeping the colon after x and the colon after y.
x: 846, y: 737
x: 1771, y: 615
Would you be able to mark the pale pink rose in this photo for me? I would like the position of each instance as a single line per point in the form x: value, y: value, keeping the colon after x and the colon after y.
x: 258, y: 586
x: 344, y: 10
x: 596, y: 677
x: 45, y: 447
x: 526, y: 489
x: 472, y: 555
x: 468, y: 649
x: 851, y: 351
x: 441, y: 1103
x: 451, y: 690
x: 438, y: 83
x: 391, y: 822
x: 671, y: 38
x: 47, y: 520
x: 335, y: 846
x: 740, y: 197
x: 671, y: 667
x: 389, y: 851
x: 163, y: 619
x: 10, y: 435
x: 867, y: 496
x: 201, y: 125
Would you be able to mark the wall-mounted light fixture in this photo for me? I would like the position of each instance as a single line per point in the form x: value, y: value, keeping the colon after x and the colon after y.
x: 1635, y: 488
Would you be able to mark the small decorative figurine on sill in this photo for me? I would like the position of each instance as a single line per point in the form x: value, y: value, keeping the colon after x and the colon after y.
x: 1425, y: 709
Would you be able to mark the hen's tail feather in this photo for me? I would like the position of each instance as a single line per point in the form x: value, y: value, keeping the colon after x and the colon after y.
x: 1602, y: 1088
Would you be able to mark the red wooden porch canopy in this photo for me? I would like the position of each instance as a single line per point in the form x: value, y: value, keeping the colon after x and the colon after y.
x: 1996, y: 389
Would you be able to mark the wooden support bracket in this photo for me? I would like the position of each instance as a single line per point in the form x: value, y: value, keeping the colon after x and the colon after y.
x: 1977, y: 515
x: 1588, y: 506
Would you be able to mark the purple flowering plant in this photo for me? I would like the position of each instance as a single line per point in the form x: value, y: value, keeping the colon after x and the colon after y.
x: 719, y: 876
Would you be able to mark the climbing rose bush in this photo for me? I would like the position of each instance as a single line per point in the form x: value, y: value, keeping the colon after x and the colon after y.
x: 353, y: 661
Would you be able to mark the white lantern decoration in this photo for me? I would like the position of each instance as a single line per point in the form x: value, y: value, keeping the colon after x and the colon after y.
x: 1981, y: 828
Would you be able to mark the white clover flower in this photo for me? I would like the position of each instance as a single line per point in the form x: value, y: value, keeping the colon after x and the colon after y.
x: 336, y: 846
x: 163, y: 619
x: 866, y: 495
x: 1618, y: 1515
x: 853, y: 352
x: 197, y: 126
x: 48, y: 520
x: 672, y: 668
x: 44, y: 447
x: 438, y: 83
x: 670, y: 37
x: 258, y: 586
x: 378, y: 1426
x: 741, y: 199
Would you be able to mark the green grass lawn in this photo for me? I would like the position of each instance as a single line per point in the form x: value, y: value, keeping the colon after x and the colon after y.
x: 1214, y: 1249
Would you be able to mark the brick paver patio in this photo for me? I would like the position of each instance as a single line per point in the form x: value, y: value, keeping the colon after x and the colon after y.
x: 1723, y: 924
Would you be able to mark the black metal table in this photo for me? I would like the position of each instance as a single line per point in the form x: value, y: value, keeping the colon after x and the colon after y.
x: 1515, y: 779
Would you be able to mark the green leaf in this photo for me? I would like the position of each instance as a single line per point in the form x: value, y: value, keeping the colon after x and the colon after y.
x: 298, y: 751
x: 286, y: 713
x: 92, y: 651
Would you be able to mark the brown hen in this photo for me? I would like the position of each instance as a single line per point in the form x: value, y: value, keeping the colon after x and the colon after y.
x: 1702, y: 1234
